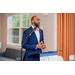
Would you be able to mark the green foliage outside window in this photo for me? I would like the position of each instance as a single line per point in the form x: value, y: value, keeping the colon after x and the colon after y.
x: 16, y: 21
x: 24, y: 19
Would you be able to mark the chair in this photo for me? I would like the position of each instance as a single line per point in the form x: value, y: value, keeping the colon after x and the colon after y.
x: 72, y: 57
x: 60, y: 58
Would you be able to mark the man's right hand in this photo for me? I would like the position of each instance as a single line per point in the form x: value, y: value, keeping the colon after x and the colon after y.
x: 39, y: 46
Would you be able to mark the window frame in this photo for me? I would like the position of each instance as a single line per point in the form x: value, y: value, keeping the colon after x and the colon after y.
x: 9, y: 27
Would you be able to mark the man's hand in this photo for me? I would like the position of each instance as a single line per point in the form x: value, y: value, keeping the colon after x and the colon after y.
x: 41, y: 45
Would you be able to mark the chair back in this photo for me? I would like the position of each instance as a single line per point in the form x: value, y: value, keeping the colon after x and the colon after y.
x: 60, y: 58
x: 72, y: 57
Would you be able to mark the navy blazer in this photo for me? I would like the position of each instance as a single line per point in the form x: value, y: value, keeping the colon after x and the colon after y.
x: 31, y: 45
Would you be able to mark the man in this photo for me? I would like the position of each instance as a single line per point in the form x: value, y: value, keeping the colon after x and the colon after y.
x: 35, y: 43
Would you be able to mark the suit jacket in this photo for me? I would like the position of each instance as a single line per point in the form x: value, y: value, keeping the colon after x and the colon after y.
x: 31, y: 45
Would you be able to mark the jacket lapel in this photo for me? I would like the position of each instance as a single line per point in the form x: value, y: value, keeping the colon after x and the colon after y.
x: 33, y: 34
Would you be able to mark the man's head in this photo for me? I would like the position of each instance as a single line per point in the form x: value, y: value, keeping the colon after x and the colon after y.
x: 35, y: 20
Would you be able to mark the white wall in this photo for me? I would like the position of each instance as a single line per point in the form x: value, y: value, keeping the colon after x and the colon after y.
x: 4, y: 31
x: 0, y: 27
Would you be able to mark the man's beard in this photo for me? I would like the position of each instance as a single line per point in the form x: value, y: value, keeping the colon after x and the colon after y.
x: 36, y: 24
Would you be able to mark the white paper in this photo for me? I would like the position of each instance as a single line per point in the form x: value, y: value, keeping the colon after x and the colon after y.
x: 49, y: 58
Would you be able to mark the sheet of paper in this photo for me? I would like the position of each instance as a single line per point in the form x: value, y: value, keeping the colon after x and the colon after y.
x: 48, y: 56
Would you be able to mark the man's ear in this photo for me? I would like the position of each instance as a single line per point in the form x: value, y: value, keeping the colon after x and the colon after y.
x: 32, y: 22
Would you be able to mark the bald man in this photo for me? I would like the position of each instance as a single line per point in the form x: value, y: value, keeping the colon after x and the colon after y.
x: 35, y: 43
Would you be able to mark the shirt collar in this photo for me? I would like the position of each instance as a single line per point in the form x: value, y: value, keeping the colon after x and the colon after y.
x: 32, y: 26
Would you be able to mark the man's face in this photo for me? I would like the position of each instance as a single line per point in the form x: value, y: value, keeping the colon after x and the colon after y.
x: 36, y: 20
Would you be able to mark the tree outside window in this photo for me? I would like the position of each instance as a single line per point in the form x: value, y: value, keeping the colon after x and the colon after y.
x: 19, y: 23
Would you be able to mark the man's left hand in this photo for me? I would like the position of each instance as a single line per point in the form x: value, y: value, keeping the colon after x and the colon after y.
x: 43, y: 45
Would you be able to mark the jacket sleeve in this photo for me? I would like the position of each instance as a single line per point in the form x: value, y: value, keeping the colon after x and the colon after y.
x: 25, y: 45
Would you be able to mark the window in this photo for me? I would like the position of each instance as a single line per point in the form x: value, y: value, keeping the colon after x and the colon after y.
x: 17, y: 24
